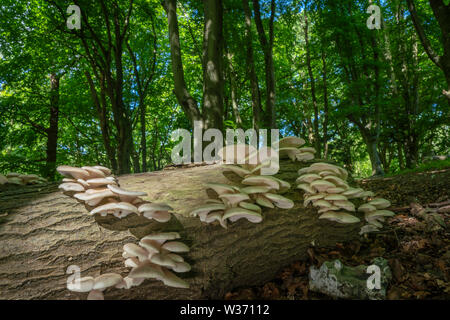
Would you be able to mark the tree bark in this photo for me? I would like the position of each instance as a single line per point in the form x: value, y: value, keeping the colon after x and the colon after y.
x: 184, y: 98
x: 212, y: 109
x: 45, y: 232
x: 317, y: 139
x: 267, y: 47
x: 52, y: 130
x: 254, y: 86
x: 442, y: 15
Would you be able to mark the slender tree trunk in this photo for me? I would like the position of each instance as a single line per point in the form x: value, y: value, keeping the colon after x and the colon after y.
x: 267, y: 47
x: 212, y: 110
x: 52, y: 131
x: 317, y: 140
x: 325, y: 105
x: 254, y: 86
x: 184, y: 98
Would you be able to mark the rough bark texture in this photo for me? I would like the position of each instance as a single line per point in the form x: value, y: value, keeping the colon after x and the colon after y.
x: 45, y: 231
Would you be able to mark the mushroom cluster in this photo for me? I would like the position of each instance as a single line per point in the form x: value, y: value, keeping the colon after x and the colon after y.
x: 21, y: 179
x: 256, y: 190
x: 291, y: 147
x: 325, y: 186
x: 375, y: 213
x: 155, y: 257
x: 100, y: 192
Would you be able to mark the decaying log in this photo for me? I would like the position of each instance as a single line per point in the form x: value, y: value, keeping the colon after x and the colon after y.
x: 44, y: 232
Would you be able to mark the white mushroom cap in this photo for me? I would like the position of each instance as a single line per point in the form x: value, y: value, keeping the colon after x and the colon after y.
x: 279, y: 201
x: 262, y: 181
x: 171, y: 280
x: 215, y: 216
x: 307, y: 188
x: 379, y: 213
x: 146, y: 270
x: 241, y: 172
x: 304, y: 156
x: 335, y: 190
x: 345, y: 204
x: 96, y: 295
x: 182, y: 267
x: 151, y: 246
x: 132, y: 262
x: 120, y: 209
x: 313, y: 197
x: 232, y: 199
x: 154, y: 207
x: 175, y: 246
x: 307, y: 149
x: 250, y: 206
x: 84, y: 284
x: 72, y: 172
x: 93, y: 198
x: 263, y: 201
x: 337, y: 181
x: 203, y: 210
x: 380, y: 203
x: 126, y: 195
x: 162, y: 260
x: 291, y: 141
x: 133, y: 250
x: 107, y: 280
x: 308, y: 178
x: 322, y: 185
x: 322, y: 204
x: 255, y: 189
x: 160, y: 216
x: 105, y: 170
x: 71, y: 187
x: 94, y: 173
x: 162, y: 236
x: 236, y: 152
x: 128, y: 282
x: 99, y: 182
x: 334, y: 197
x: 340, y: 217
x: 220, y: 188
x: 237, y: 213
x: 366, y: 207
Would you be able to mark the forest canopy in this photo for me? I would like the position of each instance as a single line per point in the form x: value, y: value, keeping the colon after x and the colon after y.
x: 111, y: 91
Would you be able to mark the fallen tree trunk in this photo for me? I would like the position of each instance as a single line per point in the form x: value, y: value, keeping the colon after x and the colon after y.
x: 44, y: 232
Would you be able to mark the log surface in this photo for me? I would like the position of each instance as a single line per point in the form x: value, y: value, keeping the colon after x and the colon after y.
x: 43, y: 232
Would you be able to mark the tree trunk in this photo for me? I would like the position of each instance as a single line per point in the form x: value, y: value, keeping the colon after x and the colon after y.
x: 267, y: 47
x: 186, y: 101
x: 212, y: 110
x: 254, y: 86
x: 45, y: 232
x: 317, y: 140
x: 52, y: 130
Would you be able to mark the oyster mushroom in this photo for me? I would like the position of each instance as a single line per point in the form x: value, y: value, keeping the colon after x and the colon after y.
x: 157, y: 211
x: 126, y: 195
x: 119, y: 209
x: 341, y: 217
x: 235, y: 214
x: 72, y: 172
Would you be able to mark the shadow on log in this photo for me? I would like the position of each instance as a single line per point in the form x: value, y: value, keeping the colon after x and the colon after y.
x: 45, y: 231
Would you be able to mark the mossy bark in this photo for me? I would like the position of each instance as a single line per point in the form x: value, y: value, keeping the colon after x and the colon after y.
x: 45, y: 231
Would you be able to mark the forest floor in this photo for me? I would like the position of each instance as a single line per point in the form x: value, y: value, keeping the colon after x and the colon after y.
x: 415, y: 241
